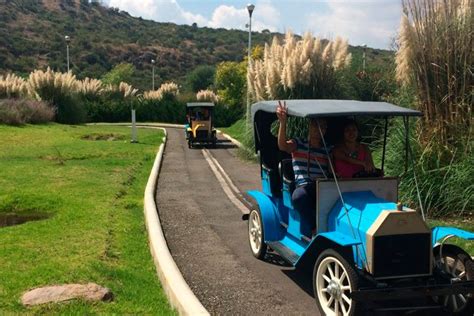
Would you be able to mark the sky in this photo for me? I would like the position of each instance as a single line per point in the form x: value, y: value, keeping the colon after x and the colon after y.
x: 370, y: 22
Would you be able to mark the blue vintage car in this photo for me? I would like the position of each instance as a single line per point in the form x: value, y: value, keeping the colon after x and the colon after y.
x: 367, y: 248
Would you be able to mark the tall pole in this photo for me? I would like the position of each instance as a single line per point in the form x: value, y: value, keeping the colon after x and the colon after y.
x: 363, y: 58
x: 153, y: 75
x: 68, y: 39
x: 250, y: 8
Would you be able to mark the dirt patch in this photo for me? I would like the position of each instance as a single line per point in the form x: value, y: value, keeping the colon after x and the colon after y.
x: 104, y: 136
x: 12, y: 219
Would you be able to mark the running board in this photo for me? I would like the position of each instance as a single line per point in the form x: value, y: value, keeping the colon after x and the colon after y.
x: 285, y: 252
x: 303, y: 237
x: 407, y: 309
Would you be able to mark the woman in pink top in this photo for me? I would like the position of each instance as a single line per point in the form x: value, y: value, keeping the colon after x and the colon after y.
x: 350, y: 156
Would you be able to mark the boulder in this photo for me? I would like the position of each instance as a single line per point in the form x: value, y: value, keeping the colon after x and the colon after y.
x: 66, y: 292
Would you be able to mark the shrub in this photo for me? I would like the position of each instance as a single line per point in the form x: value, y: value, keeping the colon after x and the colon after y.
x: 444, y: 188
x: 120, y: 73
x: 201, y: 78
x: 168, y: 110
x: 18, y: 112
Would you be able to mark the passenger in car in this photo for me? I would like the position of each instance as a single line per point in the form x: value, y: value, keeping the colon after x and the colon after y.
x: 309, y: 160
x: 350, y: 156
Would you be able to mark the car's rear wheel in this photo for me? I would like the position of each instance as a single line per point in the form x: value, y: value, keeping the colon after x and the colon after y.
x: 333, y: 280
x: 256, y: 235
x: 456, y: 264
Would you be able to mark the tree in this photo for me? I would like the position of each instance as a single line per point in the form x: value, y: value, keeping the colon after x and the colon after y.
x: 201, y: 78
x: 120, y: 73
x: 231, y: 82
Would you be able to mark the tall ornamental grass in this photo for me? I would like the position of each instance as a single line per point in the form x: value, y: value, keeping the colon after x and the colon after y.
x: 435, y: 63
x: 166, y: 90
x: 12, y: 86
x: 206, y: 96
x: 298, y: 69
x: 60, y: 90
x: 436, y: 57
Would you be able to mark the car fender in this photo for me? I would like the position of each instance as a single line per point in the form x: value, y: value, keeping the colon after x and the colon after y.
x: 270, y: 218
x: 343, y: 244
x: 440, y: 232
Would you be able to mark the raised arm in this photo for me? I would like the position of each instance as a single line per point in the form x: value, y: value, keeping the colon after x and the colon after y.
x: 288, y: 146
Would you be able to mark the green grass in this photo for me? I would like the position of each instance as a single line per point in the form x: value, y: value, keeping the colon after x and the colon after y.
x: 465, y: 223
x: 237, y: 130
x: 93, y: 192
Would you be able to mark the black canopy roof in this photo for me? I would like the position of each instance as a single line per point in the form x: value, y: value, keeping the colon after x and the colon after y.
x: 328, y: 108
x: 200, y: 104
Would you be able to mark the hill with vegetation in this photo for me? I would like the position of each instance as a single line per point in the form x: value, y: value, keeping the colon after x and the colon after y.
x: 32, y: 37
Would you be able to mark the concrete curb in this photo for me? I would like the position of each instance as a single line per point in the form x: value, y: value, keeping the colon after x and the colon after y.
x: 233, y: 140
x: 177, y: 290
x: 140, y: 124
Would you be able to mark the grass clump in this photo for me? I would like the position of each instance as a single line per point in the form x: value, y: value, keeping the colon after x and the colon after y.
x: 96, y: 232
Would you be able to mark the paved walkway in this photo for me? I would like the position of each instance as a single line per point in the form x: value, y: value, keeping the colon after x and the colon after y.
x: 209, y: 242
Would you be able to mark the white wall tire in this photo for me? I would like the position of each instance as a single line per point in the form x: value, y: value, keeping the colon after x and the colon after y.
x: 256, y: 235
x: 333, y: 279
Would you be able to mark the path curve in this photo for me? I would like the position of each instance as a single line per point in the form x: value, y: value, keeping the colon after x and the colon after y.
x: 208, y: 240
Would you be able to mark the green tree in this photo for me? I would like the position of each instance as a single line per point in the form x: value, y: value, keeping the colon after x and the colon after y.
x: 121, y: 72
x: 231, y: 82
x: 201, y: 78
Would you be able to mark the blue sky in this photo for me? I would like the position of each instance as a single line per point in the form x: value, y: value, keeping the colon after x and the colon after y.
x: 371, y: 22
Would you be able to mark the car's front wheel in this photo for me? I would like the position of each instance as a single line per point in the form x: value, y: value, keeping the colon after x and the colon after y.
x: 458, y: 265
x: 333, y: 281
x: 256, y: 235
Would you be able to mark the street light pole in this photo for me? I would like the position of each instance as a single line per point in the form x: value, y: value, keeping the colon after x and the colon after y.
x: 250, y: 8
x: 363, y: 57
x: 68, y: 39
x: 153, y: 74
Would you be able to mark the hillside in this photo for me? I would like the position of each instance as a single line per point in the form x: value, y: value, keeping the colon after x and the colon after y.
x: 32, y: 36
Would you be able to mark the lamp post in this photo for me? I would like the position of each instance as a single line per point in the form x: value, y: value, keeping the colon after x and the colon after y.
x: 363, y: 57
x: 153, y: 74
x: 68, y: 40
x: 250, y: 8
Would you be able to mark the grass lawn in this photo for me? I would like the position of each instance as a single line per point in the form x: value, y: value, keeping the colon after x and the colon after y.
x: 466, y: 223
x: 236, y: 130
x: 90, y: 181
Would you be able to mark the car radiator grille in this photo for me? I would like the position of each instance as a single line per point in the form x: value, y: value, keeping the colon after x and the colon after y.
x: 402, y: 255
x: 201, y: 134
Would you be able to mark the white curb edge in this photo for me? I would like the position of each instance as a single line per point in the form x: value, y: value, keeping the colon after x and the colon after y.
x: 177, y: 290
x: 233, y: 140
x: 139, y: 124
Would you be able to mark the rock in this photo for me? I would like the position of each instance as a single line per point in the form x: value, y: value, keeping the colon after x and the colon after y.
x: 66, y: 292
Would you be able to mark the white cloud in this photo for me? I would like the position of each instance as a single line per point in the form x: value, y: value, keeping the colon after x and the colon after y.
x: 363, y: 22
x: 161, y: 10
x: 230, y: 17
